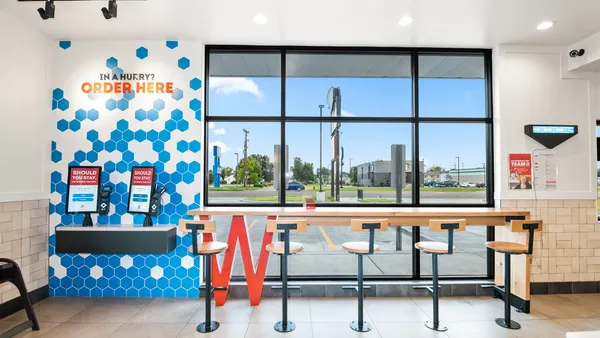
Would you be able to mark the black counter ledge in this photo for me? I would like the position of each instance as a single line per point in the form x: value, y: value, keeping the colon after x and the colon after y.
x: 116, y: 239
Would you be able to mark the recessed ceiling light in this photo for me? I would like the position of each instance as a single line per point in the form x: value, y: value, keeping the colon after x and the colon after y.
x: 545, y: 25
x: 405, y: 20
x: 260, y: 18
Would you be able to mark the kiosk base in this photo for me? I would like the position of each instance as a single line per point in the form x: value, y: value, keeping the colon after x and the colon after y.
x: 87, y: 220
x: 148, y: 221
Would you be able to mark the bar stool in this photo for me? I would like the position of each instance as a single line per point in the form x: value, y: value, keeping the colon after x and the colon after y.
x: 284, y: 249
x: 361, y: 249
x: 509, y: 249
x: 207, y: 250
x: 435, y: 249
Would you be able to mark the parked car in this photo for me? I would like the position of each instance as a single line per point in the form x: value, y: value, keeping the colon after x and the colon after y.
x: 467, y: 185
x: 429, y: 183
x: 480, y: 185
x: 295, y: 186
x: 444, y: 184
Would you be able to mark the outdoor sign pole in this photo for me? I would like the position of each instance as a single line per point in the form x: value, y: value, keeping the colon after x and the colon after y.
x: 217, y: 166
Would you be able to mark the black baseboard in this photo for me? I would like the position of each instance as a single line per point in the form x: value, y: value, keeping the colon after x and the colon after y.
x: 557, y: 288
x: 14, y: 305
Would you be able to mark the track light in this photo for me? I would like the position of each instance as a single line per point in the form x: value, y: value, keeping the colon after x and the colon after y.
x: 111, y: 11
x: 48, y: 11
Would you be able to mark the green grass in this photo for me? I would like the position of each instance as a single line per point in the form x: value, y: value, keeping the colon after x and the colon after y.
x: 378, y: 200
x: 315, y: 187
x: 276, y: 199
x: 232, y: 188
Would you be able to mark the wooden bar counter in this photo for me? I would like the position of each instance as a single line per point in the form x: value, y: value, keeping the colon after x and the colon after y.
x: 340, y: 216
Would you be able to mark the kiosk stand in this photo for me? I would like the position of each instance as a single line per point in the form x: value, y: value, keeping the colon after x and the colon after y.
x: 144, y: 194
x: 83, y: 192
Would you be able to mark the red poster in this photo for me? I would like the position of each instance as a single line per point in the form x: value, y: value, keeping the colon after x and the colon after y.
x: 142, y: 176
x: 85, y: 176
x: 519, y: 169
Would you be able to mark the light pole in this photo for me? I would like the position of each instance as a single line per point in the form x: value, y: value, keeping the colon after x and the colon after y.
x: 458, y: 168
x: 237, y: 162
x: 350, y: 171
x: 321, y: 147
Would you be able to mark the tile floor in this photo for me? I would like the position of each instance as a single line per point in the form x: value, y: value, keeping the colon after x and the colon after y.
x: 468, y: 317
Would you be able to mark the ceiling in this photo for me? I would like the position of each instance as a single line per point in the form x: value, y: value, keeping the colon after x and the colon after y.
x: 437, y: 23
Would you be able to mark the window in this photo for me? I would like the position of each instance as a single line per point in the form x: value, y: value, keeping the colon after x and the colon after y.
x: 361, y: 127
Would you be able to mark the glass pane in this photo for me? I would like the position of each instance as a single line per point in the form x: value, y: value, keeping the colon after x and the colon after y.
x: 366, y: 167
x: 236, y: 186
x: 244, y: 84
x: 370, y: 85
x: 455, y: 156
x: 470, y: 258
x: 451, y: 86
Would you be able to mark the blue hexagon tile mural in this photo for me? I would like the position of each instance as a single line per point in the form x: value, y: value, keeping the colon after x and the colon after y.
x: 119, y: 130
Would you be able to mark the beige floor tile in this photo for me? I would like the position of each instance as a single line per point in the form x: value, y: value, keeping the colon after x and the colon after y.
x: 452, y: 309
x: 29, y: 333
x: 494, y: 308
x: 225, y: 330
x: 148, y: 330
x: 544, y: 328
x: 234, y: 311
x: 556, y: 307
x: 477, y: 329
x: 394, y: 310
x: 80, y: 330
x: 133, y: 302
x: 265, y: 330
x: 105, y: 314
x: 589, y: 301
x: 337, y: 329
x: 341, y: 310
x: 269, y: 311
x: 167, y: 310
x: 407, y: 329
x: 584, y: 324
x: 54, y: 310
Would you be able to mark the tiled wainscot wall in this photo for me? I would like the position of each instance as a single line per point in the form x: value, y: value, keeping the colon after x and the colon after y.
x: 24, y: 238
x: 568, y: 248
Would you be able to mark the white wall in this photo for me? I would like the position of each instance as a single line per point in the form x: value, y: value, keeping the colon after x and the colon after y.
x: 25, y: 97
x: 530, y: 86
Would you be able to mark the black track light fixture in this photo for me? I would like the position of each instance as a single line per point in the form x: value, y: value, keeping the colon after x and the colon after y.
x: 48, y: 11
x: 111, y: 11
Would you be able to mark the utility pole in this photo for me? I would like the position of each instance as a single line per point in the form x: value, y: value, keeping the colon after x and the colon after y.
x: 458, y: 168
x: 321, y: 147
x: 246, y: 132
x: 237, y: 162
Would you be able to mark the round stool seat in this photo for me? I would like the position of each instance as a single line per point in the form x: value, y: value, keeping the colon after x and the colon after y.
x: 359, y: 247
x: 434, y: 247
x: 209, y: 248
x: 507, y: 247
x: 279, y: 248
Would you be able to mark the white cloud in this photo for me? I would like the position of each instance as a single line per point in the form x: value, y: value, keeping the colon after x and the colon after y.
x: 233, y: 85
x: 211, y: 125
x: 224, y: 147
x: 220, y: 131
x: 347, y: 114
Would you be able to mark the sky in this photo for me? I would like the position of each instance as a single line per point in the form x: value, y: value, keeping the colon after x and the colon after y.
x: 440, y: 143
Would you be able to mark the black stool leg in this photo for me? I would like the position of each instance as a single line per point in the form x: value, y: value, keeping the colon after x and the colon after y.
x: 360, y: 325
x: 20, y: 284
x: 285, y: 325
x: 506, y: 322
x: 208, y: 325
x: 435, y: 325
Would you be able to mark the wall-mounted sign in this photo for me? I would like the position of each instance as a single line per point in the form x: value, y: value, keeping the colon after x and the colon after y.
x: 545, y: 170
x: 83, y: 189
x: 519, y: 170
x: 140, y: 189
x: 550, y: 135
x: 127, y: 83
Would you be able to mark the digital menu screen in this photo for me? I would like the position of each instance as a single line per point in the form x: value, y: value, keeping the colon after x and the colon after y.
x: 140, y: 189
x: 82, y: 192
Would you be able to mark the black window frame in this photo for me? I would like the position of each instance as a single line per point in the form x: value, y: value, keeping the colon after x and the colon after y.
x: 414, y: 120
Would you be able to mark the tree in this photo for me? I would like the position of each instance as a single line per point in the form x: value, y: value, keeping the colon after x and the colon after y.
x: 226, y: 172
x: 354, y: 175
x: 435, y: 168
x: 303, y: 171
x: 598, y: 172
x: 254, y: 171
x: 211, y: 177
x: 266, y: 166
x: 325, y: 172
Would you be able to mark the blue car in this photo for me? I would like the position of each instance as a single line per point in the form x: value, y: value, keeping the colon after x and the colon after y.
x: 295, y: 186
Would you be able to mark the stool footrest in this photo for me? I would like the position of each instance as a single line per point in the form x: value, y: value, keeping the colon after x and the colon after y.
x: 290, y: 287
x: 355, y: 288
x: 487, y: 286
x: 425, y: 287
